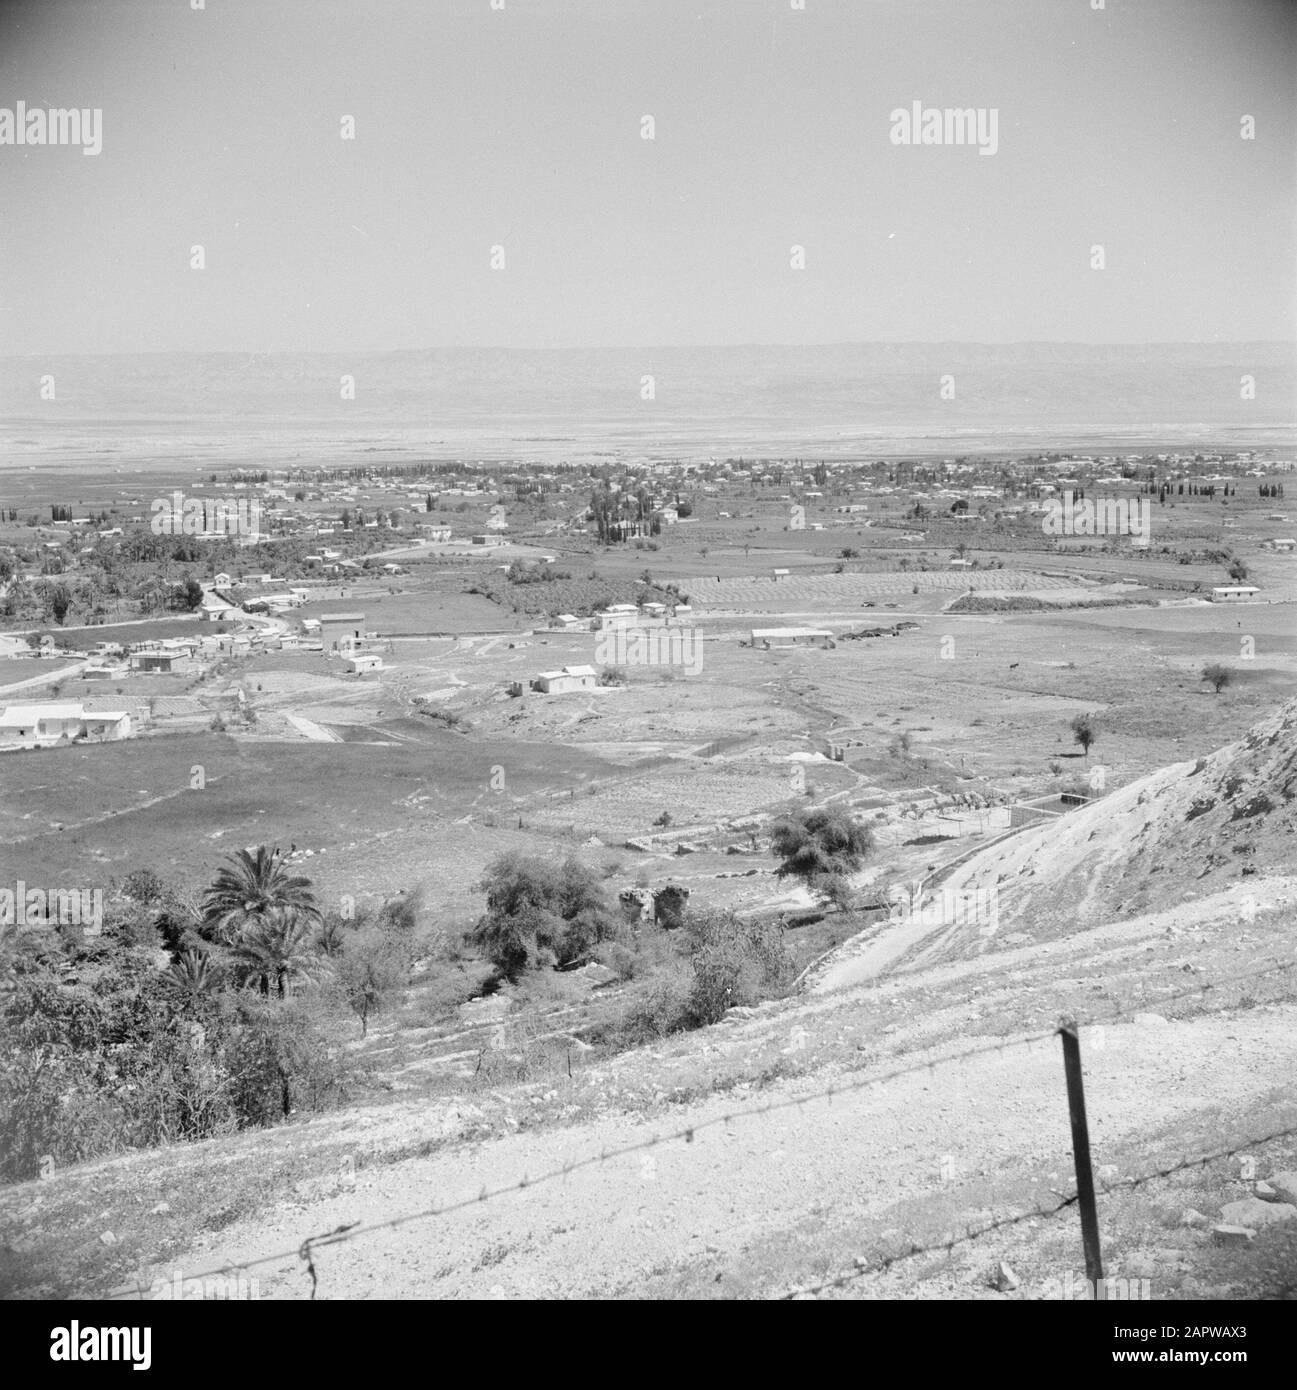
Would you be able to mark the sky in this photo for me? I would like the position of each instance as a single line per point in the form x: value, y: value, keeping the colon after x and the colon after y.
x: 521, y: 128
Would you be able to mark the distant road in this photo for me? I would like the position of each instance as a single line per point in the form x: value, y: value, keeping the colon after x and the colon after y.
x: 36, y: 682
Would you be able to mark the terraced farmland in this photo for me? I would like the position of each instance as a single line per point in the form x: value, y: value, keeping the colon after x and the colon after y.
x: 850, y: 589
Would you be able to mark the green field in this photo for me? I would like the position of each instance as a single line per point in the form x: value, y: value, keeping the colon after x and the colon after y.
x: 129, y: 805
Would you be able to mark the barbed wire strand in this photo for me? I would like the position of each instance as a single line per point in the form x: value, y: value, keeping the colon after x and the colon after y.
x: 688, y: 1133
x: 947, y: 1246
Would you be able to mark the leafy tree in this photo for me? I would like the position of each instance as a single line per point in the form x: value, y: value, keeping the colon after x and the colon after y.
x: 1084, y: 731
x: 1217, y: 676
x: 539, y: 913
x: 374, y: 961
x: 822, y: 847
x: 1237, y: 571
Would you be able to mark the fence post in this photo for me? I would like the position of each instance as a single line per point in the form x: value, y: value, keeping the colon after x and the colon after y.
x: 1081, y: 1155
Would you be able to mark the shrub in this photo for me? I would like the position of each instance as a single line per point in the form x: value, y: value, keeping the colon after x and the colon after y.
x: 734, y: 962
x: 663, y: 1009
x: 621, y: 960
x: 106, y: 1052
x: 540, y: 913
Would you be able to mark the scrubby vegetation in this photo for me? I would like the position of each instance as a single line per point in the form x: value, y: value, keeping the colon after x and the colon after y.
x: 186, y: 1016
x: 180, y: 1020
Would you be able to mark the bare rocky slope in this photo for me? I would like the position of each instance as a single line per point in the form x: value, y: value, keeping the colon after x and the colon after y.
x: 1181, y: 833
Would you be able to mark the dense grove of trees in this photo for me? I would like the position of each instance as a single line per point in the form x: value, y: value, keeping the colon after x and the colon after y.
x: 184, y: 1019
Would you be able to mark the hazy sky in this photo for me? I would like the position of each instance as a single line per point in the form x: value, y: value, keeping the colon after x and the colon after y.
x: 477, y: 127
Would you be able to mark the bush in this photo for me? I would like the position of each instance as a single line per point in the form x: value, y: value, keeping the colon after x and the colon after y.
x: 734, y: 962
x: 106, y: 1052
x: 541, y: 914
x: 662, y: 1010
x: 621, y: 960
x: 280, y: 1060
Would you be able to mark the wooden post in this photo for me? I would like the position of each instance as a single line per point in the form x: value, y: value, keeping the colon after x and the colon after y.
x: 1081, y: 1155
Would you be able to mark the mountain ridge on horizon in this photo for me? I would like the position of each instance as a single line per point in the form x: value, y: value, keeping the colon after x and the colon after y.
x: 830, y: 386
x: 835, y: 345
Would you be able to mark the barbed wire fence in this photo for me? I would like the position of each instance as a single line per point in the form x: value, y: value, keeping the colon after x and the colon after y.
x: 688, y: 1134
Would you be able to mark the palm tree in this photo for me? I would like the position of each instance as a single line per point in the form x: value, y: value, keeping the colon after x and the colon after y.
x: 276, y: 948
x: 249, y: 892
x: 192, y: 972
x: 331, y: 938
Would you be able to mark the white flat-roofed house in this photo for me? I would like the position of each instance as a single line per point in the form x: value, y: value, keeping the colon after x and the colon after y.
x: 569, y: 622
x: 212, y: 608
x: 334, y: 627
x: 619, y: 615
x: 563, y: 682
x: 360, y: 663
x: 769, y: 637
x: 45, y: 725
x: 1282, y: 543
x: 1233, y: 593
x: 158, y: 662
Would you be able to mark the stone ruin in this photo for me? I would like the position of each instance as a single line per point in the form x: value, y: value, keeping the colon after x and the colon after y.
x: 657, y: 907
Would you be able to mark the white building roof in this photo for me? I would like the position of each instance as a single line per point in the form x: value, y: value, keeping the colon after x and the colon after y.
x: 55, y: 709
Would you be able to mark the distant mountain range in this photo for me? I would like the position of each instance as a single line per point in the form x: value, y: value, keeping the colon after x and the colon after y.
x: 853, y: 387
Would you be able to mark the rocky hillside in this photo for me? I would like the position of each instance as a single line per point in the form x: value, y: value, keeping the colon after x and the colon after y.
x: 1182, y: 833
